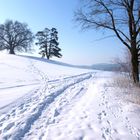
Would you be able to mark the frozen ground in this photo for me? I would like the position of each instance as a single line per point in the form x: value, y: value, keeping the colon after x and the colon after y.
x: 46, y: 101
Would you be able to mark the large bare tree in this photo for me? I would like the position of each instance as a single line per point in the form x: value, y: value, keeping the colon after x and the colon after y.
x: 122, y: 17
x: 15, y: 36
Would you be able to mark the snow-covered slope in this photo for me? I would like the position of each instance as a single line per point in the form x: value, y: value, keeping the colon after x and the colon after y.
x: 43, y: 100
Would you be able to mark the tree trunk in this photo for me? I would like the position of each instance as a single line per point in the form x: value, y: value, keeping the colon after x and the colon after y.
x: 11, y: 51
x: 135, y: 65
x: 48, y: 57
x: 47, y: 54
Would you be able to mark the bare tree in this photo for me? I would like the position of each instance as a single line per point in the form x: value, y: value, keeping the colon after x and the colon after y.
x: 124, y: 63
x: 15, y: 36
x: 122, y: 17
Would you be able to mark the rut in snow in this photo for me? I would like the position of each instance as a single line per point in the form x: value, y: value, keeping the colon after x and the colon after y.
x: 33, y: 108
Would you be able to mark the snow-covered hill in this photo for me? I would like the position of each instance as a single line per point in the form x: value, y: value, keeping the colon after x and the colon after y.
x: 44, y: 100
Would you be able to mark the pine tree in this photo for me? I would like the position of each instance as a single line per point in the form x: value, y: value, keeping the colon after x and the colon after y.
x: 48, y: 42
x: 43, y: 42
x: 54, y: 49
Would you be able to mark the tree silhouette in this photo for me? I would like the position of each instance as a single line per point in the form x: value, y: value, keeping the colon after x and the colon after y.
x: 122, y: 17
x: 48, y: 42
x: 15, y: 36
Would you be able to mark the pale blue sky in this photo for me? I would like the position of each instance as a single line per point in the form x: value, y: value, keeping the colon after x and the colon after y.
x: 78, y: 47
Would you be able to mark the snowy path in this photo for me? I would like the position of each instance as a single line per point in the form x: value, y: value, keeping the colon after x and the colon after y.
x: 73, y: 107
x: 98, y: 116
x: 46, y: 101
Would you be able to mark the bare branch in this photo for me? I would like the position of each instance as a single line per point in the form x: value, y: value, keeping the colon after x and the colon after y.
x: 15, y: 35
x: 105, y: 37
x: 119, y: 16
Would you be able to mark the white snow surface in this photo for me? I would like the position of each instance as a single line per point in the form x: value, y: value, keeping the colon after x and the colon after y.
x: 43, y: 100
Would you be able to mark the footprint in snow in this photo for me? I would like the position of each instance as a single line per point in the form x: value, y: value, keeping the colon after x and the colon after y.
x: 56, y: 113
x: 101, y: 116
x: 9, y: 126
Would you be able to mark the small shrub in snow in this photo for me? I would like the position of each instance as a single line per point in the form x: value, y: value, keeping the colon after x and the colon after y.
x: 125, y: 86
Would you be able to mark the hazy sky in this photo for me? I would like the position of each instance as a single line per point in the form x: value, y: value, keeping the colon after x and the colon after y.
x: 78, y: 47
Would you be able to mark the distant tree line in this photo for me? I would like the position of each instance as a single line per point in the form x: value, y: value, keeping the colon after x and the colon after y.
x: 16, y: 36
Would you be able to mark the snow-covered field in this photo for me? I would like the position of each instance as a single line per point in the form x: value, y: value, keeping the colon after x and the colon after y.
x: 41, y: 100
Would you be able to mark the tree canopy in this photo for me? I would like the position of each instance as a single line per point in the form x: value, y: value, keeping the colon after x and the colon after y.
x: 15, y: 36
x: 48, y: 42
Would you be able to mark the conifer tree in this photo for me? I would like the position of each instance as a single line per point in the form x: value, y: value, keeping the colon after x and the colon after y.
x: 54, y: 49
x: 48, y: 42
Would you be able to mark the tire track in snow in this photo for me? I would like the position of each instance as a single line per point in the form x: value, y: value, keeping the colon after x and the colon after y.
x: 24, y: 116
x: 54, y: 109
x: 43, y: 105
